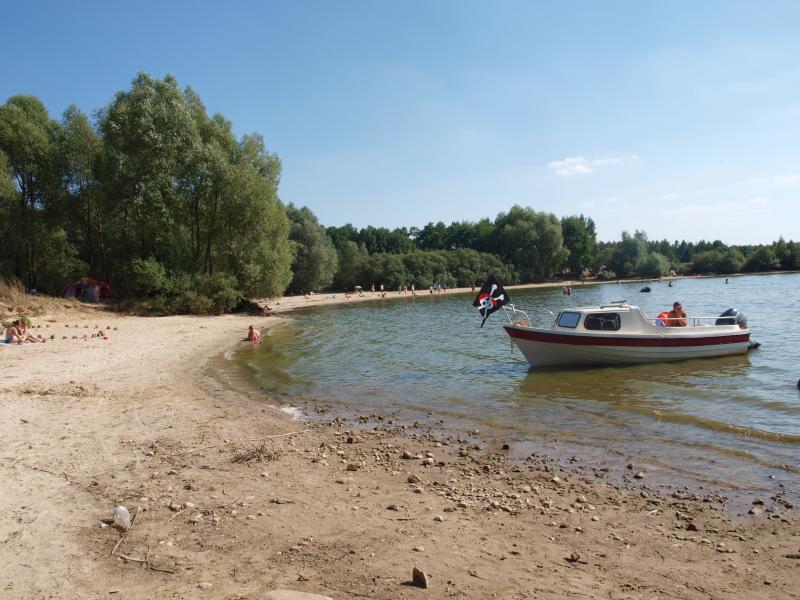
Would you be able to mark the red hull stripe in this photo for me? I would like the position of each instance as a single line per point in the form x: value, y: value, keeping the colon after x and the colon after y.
x: 594, y: 340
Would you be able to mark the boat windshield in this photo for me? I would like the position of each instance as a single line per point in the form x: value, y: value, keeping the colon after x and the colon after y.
x: 569, y: 319
x: 602, y: 322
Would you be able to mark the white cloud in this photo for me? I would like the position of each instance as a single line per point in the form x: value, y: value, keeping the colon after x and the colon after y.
x: 572, y: 165
x: 670, y: 196
x: 580, y: 165
x: 788, y: 179
x: 721, y: 210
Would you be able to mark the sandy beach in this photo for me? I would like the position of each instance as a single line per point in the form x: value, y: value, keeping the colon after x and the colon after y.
x: 234, y: 498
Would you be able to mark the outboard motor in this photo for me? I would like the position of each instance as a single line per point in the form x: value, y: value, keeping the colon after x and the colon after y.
x: 732, y: 317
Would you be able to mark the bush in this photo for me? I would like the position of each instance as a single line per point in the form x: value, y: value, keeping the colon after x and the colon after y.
x: 180, y: 292
x: 606, y: 275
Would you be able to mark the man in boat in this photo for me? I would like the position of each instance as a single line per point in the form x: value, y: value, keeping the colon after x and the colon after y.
x: 676, y: 317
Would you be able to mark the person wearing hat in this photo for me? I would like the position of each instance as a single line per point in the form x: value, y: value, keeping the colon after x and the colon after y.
x: 676, y: 317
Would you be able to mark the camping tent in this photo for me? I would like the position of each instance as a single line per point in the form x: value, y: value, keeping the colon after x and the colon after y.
x: 86, y: 288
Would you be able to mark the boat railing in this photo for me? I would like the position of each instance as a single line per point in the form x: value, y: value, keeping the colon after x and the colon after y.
x: 690, y: 321
x: 516, y: 316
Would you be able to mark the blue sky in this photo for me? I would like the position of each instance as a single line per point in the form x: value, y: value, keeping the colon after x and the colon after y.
x: 680, y: 118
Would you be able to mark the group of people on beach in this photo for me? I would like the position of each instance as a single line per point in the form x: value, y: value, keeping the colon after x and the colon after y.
x: 18, y: 333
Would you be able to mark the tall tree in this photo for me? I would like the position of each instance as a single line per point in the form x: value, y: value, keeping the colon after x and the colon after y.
x: 532, y: 242
x: 315, y: 260
x: 580, y: 238
x: 36, y: 248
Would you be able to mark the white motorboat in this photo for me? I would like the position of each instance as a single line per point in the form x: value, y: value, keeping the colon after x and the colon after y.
x: 619, y: 333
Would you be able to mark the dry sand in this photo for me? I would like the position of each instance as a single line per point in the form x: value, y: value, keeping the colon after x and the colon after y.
x: 236, y: 498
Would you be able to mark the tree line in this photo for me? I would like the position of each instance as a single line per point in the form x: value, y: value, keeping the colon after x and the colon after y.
x: 163, y: 201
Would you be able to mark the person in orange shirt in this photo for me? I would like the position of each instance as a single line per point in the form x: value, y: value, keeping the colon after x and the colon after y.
x: 676, y: 317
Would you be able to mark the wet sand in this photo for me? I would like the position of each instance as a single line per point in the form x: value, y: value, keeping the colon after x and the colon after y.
x: 234, y: 498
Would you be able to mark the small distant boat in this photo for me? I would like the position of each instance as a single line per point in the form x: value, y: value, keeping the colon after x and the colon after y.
x: 619, y: 334
x: 645, y: 289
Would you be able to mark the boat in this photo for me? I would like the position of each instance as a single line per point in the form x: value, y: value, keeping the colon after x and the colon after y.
x: 620, y: 334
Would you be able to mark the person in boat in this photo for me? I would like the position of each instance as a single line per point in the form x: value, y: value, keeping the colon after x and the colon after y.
x: 253, y: 335
x: 676, y: 317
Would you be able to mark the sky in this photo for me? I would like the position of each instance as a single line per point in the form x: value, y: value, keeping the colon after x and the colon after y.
x: 681, y: 119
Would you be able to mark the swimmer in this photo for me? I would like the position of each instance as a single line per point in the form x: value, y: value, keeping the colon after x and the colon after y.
x: 253, y: 335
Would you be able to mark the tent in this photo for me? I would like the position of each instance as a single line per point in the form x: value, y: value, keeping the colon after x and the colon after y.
x: 87, y: 288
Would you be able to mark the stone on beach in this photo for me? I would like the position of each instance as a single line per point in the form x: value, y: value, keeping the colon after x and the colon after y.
x: 419, y: 578
x: 122, y: 518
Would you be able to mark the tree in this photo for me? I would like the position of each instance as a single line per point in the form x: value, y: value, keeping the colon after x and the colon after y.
x: 762, y: 259
x: 580, y: 238
x: 79, y: 150
x: 36, y: 247
x: 531, y: 241
x: 652, y: 264
x: 352, y: 260
x: 630, y: 250
x: 315, y: 260
x: 180, y: 189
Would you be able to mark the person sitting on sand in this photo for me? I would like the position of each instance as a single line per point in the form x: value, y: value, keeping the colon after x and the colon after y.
x: 13, y: 335
x: 18, y: 333
x: 253, y: 335
x: 676, y: 317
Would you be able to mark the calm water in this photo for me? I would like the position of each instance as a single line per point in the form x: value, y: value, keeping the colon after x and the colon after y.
x: 725, y: 423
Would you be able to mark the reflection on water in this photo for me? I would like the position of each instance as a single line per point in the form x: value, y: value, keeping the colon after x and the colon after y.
x: 733, y: 421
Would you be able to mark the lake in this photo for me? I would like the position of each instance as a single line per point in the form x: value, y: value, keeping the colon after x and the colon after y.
x: 730, y: 424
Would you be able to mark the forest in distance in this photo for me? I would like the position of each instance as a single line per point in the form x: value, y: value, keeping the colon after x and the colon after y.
x: 160, y: 199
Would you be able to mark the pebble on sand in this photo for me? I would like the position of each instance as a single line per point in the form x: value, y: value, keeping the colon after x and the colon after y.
x: 419, y: 578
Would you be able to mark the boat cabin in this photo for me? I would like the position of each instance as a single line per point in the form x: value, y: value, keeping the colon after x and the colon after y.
x: 622, y: 318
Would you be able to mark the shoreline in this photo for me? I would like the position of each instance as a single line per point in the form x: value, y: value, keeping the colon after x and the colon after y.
x: 238, y: 498
x: 287, y: 304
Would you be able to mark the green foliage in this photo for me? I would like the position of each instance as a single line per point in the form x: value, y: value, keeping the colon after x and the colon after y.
x: 580, y: 238
x: 162, y: 200
x: 180, y: 292
x: 315, y: 258
x: 627, y: 253
x: 762, y: 259
x: 727, y: 260
x: 155, y: 197
x: 652, y: 264
x: 532, y: 242
x: 606, y: 275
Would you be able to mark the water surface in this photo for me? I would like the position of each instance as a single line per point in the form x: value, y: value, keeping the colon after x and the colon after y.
x: 730, y: 423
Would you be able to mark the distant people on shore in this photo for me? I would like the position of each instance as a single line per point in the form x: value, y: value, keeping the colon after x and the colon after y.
x: 253, y: 335
x: 676, y: 317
